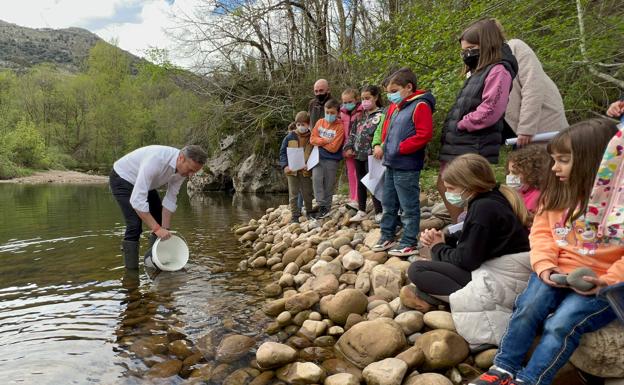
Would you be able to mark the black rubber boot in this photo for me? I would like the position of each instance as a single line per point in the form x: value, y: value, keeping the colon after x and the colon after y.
x: 130, y: 250
x: 150, y: 268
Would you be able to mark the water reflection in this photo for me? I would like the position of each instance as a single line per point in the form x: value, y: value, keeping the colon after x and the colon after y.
x: 69, y: 313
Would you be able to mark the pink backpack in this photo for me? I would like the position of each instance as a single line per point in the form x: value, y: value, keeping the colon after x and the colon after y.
x: 605, y: 210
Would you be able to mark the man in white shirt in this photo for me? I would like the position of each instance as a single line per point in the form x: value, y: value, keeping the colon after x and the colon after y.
x: 133, y: 182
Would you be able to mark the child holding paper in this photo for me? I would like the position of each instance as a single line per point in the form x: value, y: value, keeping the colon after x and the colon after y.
x: 328, y: 135
x: 299, y: 181
x: 358, y: 146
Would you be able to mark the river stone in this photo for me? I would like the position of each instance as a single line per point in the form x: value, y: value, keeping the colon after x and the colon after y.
x: 342, y: 379
x: 386, y: 282
x: 300, y: 317
x: 259, y: 262
x: 370, y: 341
x: 485, y: 359
x: 324, y: 303
x: 323, y: 246
x: 438, y: 319
x: 337, y: 365
x: 299, y: 373
x: 234, y: 347
x: 413, y: 356
x: 442, y: 348
x: 316, y: 354
x: 263, y: 378
x: 273, y: 355
x: 353, y: 319
x: 291, y: 268
x: 180, y: 349
x: 362, y: 282
x: 165, y: 369
x: 380, y: 257
x: 206, y: 345
x: 372, y: 237
x: 286, y: 280
x: 203, y: 372
x: 411, y: 321
x: 325, y: 341
x: 279, y: 247
x: 298, y: 342
x: 380, y: 311
x: 344, y: 303
x: 238, y: 377
x: 321, y: 268
x: 248, y: 236
x: 352, y: 260
x: 301, y: 301
x: 428, y: 379
x: 312, y: 329
x: 272, y: 290
x: 335, y: 331
x: 301, y: 278
x: 291, y: 255
x: 273, y: 308
x: 325, y: 284
x: 329, y: 254
x: 600, y: 352
x: 340, y: 241
x: 284, y: 318
x: 374, y: 303
x: 389, y: 371
x: 348, y: 278
x: 220, y: 373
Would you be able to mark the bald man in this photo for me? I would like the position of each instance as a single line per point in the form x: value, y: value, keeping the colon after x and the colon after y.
x: 321, y: 95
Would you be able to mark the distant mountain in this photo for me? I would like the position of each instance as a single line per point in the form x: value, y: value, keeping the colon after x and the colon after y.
x: 22, y: 47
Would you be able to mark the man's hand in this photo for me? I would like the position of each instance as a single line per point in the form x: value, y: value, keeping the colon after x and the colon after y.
x: 523, y: 140
x: 378, y: 152
x: 163, y: 233
x: 545, y: 276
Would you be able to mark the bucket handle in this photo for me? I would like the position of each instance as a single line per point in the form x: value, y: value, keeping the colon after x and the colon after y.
x: 173, y: 232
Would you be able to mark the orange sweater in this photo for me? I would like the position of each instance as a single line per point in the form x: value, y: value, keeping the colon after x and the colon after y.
x: 328, y: 136
x: 556, y: 245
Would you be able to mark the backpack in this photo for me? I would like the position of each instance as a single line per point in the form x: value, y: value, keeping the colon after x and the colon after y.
x: 605, y: 210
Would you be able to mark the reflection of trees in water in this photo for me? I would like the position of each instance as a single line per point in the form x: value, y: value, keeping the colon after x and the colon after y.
x: 239, y: 206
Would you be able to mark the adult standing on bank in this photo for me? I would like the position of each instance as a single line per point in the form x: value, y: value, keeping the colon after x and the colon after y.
x: 316, y: 108
x: 133, y: 182
x: 535, y: 104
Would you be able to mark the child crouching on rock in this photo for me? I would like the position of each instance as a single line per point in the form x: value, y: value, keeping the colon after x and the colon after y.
x: 561, y: 241
x: 495, y: 225
x: 299, y: 182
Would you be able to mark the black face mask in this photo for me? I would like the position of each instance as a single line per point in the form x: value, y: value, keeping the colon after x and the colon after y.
x: 471, y: 57
x: 321, y: 97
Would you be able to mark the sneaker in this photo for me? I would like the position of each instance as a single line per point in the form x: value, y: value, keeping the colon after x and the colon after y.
x: 403, y: 251
x: 359, y: 217
x: 313, y: 210
x: 383, y: 245
x: 323, y: 213
x: 353, y: 205
x: 493, y: 377
x: 378, y: 217
x: 295, y: 219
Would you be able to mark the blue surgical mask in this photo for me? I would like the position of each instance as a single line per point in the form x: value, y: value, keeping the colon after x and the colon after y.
x: 349, y: 106
x: 330, y: 118
x: 455, y: 199
x: 395, y: 97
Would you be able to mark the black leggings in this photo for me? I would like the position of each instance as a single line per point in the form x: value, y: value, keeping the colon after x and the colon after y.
x: 122, y: 189
x: 438, y: 278
x: 361, y: 169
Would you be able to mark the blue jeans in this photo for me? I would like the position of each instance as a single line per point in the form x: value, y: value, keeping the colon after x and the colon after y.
x: 401, y: 190
x: 572, y: 316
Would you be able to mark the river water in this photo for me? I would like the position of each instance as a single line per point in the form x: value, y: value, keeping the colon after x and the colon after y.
x: 68, y: 310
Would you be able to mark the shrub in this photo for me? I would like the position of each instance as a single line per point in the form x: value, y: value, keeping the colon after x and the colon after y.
x: 26, y: 146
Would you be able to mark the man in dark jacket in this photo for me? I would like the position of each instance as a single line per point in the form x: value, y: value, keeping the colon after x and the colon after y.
x: 317, y: 104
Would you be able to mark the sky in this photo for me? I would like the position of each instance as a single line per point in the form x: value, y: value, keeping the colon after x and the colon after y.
x: 136, y: 25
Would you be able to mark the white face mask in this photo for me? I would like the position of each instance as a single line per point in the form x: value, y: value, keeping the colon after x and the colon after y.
x: 302, y: 129
x: 513, y: 181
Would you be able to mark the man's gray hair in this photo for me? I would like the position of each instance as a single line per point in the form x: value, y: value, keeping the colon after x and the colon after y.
x: 195, y: 153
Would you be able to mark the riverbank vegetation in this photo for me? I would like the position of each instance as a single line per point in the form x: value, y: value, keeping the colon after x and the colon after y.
x: 259, y: 59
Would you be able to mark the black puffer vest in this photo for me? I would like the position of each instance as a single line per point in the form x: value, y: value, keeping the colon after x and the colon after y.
x: 487, y: 141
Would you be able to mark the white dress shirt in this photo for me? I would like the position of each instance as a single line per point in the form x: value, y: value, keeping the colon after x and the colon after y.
x: 149, y: 168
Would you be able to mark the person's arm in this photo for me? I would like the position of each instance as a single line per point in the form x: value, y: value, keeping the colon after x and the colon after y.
x: 138, y: 199
x: 166, y: 218
x: 423, y: 130
x: 616, y: 109
x: 283, y: 155
x: 334, y: 145
x: 470, y: 252
x: 494, y: 101
x: 615, y: 274
x: 531, y: 77
x: 315, y: 138
x: 544, y: 250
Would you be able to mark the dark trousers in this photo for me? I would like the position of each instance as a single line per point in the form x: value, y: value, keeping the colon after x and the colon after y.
x: 438, y: 278
x: 122, y: 189
x: 361, y: 169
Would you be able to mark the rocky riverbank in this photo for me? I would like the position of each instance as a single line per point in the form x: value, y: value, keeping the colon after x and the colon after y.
x: 59, y: 177
x: 343, y: 315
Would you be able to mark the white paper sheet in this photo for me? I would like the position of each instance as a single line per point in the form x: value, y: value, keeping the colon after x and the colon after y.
x: 543, y: 137
x: 375, y: 177
x: 295, y: 158
x: 376, y: 168
x: 314, y: 158
x: 452, y: 229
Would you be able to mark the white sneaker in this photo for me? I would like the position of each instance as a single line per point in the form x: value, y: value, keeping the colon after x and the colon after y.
x: 353, y: 205
x: 378, y: 217
x: 359, y: 217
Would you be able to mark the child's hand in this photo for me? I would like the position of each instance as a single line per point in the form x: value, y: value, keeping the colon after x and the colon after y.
x: 286, y: 170
x: 378, y: 152
x: 545, y: 276
x: 599, y: 284
x: 431, y: 237
x: 523, y: 140
x: 616, y: 109
x: 349, y: 153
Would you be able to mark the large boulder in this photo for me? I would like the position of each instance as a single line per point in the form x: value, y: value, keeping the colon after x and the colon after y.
x: 442, y: 348
x: 273, y: 355
x: 600, y: 352
x: 344, y: 303
x: 259, y: 174
x: 389, y: 371
x: 370, y: 341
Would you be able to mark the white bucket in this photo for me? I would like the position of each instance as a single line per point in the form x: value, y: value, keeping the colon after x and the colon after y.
x: 170, y: 255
